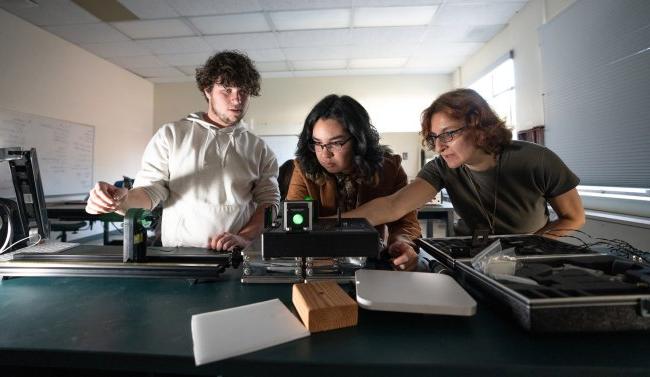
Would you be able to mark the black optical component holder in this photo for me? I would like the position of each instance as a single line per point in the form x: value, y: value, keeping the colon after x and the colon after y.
x: 349, y: 237
x: 298, y: 215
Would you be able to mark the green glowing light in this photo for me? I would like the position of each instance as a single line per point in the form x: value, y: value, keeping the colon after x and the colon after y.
x: 298, y: 219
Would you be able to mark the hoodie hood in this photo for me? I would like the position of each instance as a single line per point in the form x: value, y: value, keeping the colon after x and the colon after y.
x: 223, y: 137
x: 198, y: 118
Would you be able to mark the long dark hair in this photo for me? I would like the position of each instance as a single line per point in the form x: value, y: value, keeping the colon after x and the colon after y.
x: 367, y: 153
x: 466, y: 105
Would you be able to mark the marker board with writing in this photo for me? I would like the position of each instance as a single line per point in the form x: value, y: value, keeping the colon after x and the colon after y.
x: 64, y: 150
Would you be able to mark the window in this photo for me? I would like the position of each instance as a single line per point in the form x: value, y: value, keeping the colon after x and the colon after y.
x: 621, y: 200
x: 498, y: 89
x: 595, y: 69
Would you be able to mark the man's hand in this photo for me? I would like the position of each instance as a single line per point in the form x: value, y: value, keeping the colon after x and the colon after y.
x: 404, y: 257
x: 105, y: 198
x: 228, y: 241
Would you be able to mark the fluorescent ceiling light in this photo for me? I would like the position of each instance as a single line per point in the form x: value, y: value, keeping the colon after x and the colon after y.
x: 377, y: 63
x: 311, y: 19
x: 231, y: 23
x: 393, y: 16
x: 154, y: 28
x: 304, y: 65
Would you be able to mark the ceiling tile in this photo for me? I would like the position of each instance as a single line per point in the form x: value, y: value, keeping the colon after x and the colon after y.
x: 162, y: 80
x: 87, y: 33
x: 230, y: 24
x: 380, y: 36
x: 322, y: 73
x: 55, y: 12
x: 488, y: 13
x: 145, y: 29
x: 144, y: 61
x: 210, y: 7
x: 377, y: 63
x: 283, y: 74
x: 375, y: 71
x: 442, y: 63
x: 395, y: 3
x: 115, y: 49
x: 393, y: 16
x: 388, y: 51
x: 447, y: 48
x: 242, y: 41
x: 445, y: 33
x: 294, y: 38
x: 305, y: 65
x: 185, y: 59
x: 311, y: 19
x: 189, y: 70
x: 146, y: 9
x: 183, y: 45
x: 275, y: 5
x: 265, y: 55
x: 276, y: 66
x: 157, y: 72
x: 301, y: 38
x: 483, y: 33
x: 316, y: 53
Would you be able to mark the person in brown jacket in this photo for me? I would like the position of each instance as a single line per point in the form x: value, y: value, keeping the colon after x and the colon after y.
x: 340, y: 164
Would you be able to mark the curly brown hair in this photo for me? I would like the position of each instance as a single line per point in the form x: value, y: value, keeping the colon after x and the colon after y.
x: 466, y: 105
x: 229, y: 68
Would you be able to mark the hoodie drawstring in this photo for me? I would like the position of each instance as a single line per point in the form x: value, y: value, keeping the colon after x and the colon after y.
x: 231, y: 142
x: 214, y: 134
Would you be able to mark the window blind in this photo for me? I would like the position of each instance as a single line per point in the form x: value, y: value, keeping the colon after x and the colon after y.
x: 596, y: 77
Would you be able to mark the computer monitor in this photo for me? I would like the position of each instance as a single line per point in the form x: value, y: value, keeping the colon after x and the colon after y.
x: 29, y: 215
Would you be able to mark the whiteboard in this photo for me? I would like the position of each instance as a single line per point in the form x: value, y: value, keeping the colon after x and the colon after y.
x: 284, y: 146
x: 64, y: 150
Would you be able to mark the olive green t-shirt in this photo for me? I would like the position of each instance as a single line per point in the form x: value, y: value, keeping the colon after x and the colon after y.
x: 526, y: 176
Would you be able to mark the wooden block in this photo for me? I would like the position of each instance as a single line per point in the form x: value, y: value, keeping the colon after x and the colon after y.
x: 323, y: 305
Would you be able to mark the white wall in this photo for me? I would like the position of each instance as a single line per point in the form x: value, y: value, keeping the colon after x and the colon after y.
x: 45, y: 75
x: 405, y: 142
x: 393, y: 102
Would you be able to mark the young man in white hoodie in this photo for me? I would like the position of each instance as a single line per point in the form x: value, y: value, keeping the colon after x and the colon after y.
x: 212, y: 175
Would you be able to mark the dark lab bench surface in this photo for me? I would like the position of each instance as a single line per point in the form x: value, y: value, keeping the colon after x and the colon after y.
x: 141, y: 326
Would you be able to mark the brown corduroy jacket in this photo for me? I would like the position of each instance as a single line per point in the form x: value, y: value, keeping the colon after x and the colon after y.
x: 391, y: 178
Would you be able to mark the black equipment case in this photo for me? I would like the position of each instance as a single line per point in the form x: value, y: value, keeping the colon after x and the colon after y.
x: 573, y: 288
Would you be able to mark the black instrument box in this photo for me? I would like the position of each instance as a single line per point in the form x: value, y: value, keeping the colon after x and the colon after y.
x: 557, y: 287
x: 329, y: 237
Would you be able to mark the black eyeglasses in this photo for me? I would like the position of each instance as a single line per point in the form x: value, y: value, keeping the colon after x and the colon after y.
x: 444, y: 137
x: 333, y: 147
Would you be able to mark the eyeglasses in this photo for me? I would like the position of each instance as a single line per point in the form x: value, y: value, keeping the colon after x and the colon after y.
x: 333, y: 147
x: 444, y: 137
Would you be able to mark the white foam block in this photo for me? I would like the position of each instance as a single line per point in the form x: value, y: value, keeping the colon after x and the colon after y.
x: 412, y: 292
x: 230, y: 332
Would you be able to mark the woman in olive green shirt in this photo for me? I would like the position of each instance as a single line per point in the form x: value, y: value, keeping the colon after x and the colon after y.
x: 495, y: 184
